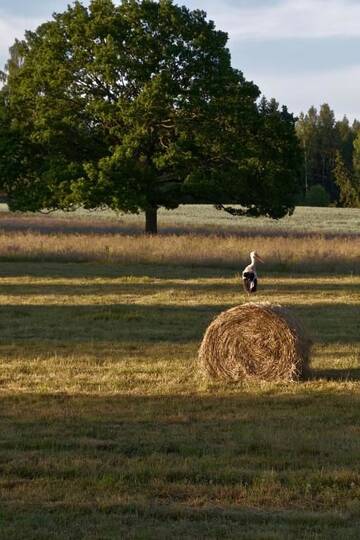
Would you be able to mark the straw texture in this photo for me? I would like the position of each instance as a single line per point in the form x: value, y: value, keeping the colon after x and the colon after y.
x: 255, y: 341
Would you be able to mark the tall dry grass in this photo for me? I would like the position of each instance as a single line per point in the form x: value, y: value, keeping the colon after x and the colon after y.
x: 311, y: 253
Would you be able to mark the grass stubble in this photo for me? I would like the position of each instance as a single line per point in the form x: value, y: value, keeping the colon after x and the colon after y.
x: 108, y: 431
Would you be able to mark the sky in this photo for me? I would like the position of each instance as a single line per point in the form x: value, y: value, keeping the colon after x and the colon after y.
x: 301, y: 52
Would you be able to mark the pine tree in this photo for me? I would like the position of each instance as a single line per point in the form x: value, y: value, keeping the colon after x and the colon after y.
x: 306, y: 129
x: 347, y: 183
x: 345, y: 139
x: 327, y: 148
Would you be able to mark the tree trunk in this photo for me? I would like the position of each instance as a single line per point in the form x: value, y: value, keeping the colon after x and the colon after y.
x: 306, y: 169
x: 151, y: 220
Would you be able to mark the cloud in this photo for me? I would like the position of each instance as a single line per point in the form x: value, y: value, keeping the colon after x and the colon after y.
x: 285, y: 19
x: 322, y: 77
x: 339, y: 88
x: 11, y: 28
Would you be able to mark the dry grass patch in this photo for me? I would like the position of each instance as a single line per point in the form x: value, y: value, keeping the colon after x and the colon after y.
x: 314, y: 252
x: 315, y: 240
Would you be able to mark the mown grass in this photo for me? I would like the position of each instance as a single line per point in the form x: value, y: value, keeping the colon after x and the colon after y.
x: 108, y: 431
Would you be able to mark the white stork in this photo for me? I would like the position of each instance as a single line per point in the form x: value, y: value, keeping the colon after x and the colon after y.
x: 249, y: 275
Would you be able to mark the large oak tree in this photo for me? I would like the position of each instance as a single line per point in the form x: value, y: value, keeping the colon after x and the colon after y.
x: 137, y: 106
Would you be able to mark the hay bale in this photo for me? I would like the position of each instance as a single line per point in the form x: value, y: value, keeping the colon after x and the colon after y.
x: 255, y: 342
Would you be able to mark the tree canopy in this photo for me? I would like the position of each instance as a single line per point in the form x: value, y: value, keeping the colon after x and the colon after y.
x: 137, y: 106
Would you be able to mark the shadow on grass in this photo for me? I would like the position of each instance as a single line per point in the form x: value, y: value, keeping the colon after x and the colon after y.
x: 330, y: 323
x: 71, y: 270
x: 166, y: 519
x: 82, y: 269
x: 111, y: 322
x: 163, y: 284
x: 191, y: 464
x: 351, y: 374
x: 157, y: 322
x: 312, y: 287
x: 327, y: 323
x: 138, y: 289
x: 241, y: 426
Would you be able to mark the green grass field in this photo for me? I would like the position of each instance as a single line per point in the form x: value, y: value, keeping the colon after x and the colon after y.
x: 109, y: 432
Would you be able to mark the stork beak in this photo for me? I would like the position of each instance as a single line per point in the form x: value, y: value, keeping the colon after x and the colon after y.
x: 259, y: 259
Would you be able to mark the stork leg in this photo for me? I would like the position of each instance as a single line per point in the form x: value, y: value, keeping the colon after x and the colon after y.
x: 246, y: 285
x: 250, y: 285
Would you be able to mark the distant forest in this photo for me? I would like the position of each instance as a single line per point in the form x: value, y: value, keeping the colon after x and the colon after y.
x: 331, y: 158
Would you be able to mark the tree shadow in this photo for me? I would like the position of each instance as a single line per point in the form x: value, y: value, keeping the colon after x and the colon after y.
x: 330, y: 323
x: 115, y: 323
x: 140, y: 425
x: 204, y: 462
x: 153, y: 284
x: 351, y: 374
x: 91, y: 287
x: 314, y: 287
x: 71, y: 270
x: 109, y: 269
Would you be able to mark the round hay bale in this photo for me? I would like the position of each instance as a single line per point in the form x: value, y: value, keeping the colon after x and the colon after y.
x: 255, y: 342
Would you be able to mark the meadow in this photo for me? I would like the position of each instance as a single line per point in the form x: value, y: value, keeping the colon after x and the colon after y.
x: 108, y: 431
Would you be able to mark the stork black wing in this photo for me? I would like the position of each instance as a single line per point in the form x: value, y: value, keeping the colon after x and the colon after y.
x: 249, y: 282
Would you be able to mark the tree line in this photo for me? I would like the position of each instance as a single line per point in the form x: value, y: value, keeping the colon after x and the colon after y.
x: 331, y: 157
